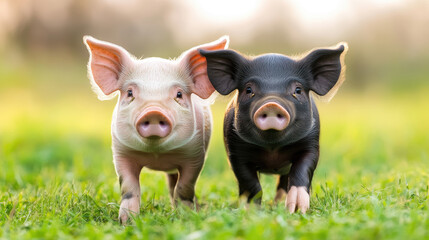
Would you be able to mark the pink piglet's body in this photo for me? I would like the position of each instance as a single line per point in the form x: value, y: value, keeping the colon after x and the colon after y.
x: 161, y: 120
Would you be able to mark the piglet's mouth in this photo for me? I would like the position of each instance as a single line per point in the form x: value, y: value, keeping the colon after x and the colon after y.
x: 271, y: 116
x: 154, y: 123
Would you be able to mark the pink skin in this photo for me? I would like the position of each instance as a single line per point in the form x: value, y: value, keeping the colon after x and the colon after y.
x: 160, y: 122
x: 184, y: 161
x: 271, y: 116
x: 297, y: 198
x: 154, y: 122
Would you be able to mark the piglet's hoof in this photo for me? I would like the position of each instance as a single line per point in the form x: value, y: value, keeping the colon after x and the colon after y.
x: 127, y: 209
x: 188, y: 203
x: 192, y: 205
x: 280, y: 196
x: 298, y: 198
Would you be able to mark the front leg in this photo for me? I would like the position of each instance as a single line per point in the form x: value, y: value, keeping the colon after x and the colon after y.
x: 248, y: 181
x: 299, y: 182
x: 128, y: 172
x: 185, y: 188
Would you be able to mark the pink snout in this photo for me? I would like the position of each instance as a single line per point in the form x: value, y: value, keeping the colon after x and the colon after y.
x: 153, y: 122
x: 271, y: 116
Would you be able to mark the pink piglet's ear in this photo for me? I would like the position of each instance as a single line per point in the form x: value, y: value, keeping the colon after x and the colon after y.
x: 196, y: 66
x: 106, y: 63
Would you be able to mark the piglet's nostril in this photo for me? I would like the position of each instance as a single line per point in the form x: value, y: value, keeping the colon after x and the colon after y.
x: 264, y: 115
x: 162, y: 123
x: 279, y: 116
x: 146, y: 123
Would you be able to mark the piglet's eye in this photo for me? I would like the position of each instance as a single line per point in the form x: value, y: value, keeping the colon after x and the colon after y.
x: 130, y: 93
x: 179, y: 94
x: 249, y: 90
x: 298, y: 90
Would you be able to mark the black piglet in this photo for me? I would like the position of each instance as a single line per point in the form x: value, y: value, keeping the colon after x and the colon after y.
x: 272, y: 125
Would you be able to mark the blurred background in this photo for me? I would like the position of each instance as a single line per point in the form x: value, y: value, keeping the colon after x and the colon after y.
x: 51, y: 122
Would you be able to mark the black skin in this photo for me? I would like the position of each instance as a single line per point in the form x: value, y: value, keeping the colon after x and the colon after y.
x: 291, y: 153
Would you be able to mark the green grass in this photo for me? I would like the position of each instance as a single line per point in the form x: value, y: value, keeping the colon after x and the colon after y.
x: 57, y: 180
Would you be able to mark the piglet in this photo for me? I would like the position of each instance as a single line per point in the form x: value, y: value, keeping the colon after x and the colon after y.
x: 272, y: 125
x: 160, y: 121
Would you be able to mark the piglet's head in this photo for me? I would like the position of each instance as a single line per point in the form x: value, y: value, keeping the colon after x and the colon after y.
x: 274, y: 104
x: 157, y: 97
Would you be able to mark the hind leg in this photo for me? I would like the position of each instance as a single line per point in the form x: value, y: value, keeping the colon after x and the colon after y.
x: 185, y: 188
x: 172, y: 181
x: 281, y: 189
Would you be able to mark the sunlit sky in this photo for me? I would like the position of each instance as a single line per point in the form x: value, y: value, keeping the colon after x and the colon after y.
x: 222, y: 11
x: 311, y: 17
x: 192, y: 20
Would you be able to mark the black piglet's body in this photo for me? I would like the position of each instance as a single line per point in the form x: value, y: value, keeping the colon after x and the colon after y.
x: 247, y: 159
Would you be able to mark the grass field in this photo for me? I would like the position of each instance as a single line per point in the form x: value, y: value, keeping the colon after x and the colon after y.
x: 57, y: 179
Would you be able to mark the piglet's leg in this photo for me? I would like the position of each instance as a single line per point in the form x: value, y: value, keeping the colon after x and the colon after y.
x: 281, y: 188
x: 172, y: 181
x: 299, y: 182
x: 128, y: 173
x: 248, y: 181
x: 185, y: 188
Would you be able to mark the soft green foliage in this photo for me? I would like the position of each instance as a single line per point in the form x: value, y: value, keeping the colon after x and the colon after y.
x: 57, y: 180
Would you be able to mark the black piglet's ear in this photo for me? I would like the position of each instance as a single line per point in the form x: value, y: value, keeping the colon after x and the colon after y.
x: 222, y: 67
x: 325, y: 66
